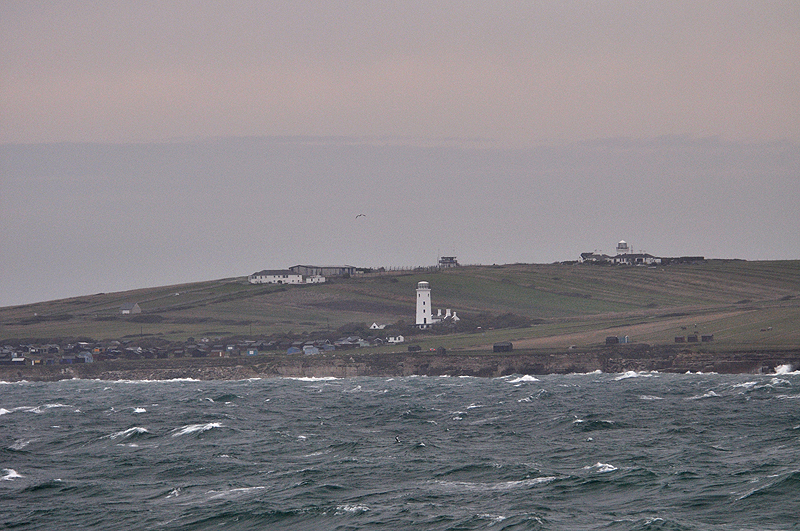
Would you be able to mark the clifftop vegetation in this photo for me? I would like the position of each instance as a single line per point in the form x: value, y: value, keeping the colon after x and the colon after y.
x: 750, y: 304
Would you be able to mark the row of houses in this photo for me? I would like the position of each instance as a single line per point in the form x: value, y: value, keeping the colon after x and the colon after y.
x: 638, y: 259
x: 622, y: 259
x: 626, y: 256
x: 92, y: 352
x: 302, y: 274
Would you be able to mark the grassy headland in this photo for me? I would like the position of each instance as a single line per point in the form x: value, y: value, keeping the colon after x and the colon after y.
x: 745, y: 305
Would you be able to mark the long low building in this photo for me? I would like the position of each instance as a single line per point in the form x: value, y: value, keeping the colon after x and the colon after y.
x: 283, y: 276
x: 325, y: 271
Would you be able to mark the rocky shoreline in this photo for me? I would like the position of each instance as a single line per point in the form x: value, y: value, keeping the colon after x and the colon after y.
x: 614, y: 360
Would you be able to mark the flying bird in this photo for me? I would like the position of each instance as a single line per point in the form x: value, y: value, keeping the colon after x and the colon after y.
x: 358, y: 216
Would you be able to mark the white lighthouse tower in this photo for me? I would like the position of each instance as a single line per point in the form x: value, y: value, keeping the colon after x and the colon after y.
x: 424, y: 312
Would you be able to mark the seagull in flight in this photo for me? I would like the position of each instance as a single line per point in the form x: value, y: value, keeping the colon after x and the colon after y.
x: 358, y: 216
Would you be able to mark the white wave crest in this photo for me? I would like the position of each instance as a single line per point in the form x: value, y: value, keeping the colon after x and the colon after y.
x: 136, y: 430
x: 710, y: 394
x: 45, y: 407
x: 171, y: 380
x: 351, y: 509
x: 601, y: 468
x: 650, y: 397
x: 313, y: 379
x: 139, y: 410
x: 233, y: 493
x: 195, y: 428
x: 526, y: 378
x: 4, y: 411
x: 633, y: 374
x: 501, y: 486
x: 785, y: 369
x: 19, y: 444
x: 493, y: 518
x: 10, y: 475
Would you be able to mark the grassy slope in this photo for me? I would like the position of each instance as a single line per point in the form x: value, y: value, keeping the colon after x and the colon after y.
x: 579, y: 304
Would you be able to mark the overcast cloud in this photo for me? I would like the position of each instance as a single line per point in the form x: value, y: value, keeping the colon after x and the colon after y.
x: 147, y: 143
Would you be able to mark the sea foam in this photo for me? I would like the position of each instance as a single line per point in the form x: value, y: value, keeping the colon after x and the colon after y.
x: 601, y: 467
x: 196, y: 428
x: 633, y: 374
x: 710, y: 394
x: 10, y: 475
x: 136, y: 430
x: 785, y: 369
x: 526, y: 378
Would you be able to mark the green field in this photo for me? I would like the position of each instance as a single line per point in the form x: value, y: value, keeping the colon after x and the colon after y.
x: 744, y: 304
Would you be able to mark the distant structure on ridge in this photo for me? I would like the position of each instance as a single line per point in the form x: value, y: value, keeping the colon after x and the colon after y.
x: 302, y: 274
x: 448, y: 261
x: 425, y: 318
x: 626, y: 256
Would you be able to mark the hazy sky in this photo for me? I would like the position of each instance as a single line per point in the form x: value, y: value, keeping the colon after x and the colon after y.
x: 145, y: 143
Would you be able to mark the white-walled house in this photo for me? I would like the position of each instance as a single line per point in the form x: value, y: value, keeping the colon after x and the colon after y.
x: 283, y: 276
x: 395, y: 339
x: 130, y: 308
x: 276, y: 276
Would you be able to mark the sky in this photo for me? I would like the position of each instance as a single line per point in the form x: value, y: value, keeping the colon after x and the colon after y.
x: 152, y: 143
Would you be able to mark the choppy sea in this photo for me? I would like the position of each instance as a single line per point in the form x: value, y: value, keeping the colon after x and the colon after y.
x: 634, y: 451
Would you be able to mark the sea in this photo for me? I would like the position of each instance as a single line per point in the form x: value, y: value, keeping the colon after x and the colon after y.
x: 632, y: 451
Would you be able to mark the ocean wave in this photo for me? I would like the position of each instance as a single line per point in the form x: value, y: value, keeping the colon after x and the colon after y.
x: 10, y: 475
x: 233, y: 493
x: 44, y: 407
x: 601, y: 468
x: 499, y: 486
x: 775, y: 485
x: 19, y: 444
x: 526, y: 378
x: 139, y: 410
x: 351, y: 509
x: 785, y: 369
x: 311, y: 378
x: 710, y: 394
x: 541, y: 393
x: 594, y: 425
x: 171, y: 380
x: 649, y: 397
x: 634, y: 374
x: 130, y: 432
x: 196, y: 428
x: 4, y: 411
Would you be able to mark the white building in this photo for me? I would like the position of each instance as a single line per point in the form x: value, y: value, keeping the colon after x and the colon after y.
x: 623, y: 248
x: 425, y: 316
x: 424, y: 312
x: 276, y: 276
x: 129, y: 308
